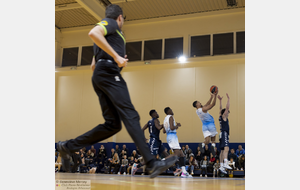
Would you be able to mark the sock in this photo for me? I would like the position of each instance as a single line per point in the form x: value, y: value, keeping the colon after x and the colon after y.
x: 183, y: 169
x: 225, y: 161
x: 203, y: 145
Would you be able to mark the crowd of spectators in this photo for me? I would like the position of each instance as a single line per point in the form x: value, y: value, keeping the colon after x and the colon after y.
x: 121, y: 161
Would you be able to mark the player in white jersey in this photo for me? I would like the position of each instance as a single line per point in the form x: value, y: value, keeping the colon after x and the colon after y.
x: 208, y: 124
x: 170, y: 127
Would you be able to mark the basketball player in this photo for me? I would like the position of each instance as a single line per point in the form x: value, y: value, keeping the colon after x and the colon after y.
x: 156, y: 146
x: 224, y: 135
x: 112, y: 91
x: 208, y: 123
x: 170, y: 127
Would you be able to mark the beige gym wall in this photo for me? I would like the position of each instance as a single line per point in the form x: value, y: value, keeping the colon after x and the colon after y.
x: 163, y: 83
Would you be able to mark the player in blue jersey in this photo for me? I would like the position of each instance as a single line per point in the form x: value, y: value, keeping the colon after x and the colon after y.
x: 156, y: 146
x: 224, y: 135
x: 208, y: 124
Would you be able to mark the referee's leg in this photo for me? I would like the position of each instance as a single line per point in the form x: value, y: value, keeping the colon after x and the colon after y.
x: 111, y: 126
x: 119, y: 95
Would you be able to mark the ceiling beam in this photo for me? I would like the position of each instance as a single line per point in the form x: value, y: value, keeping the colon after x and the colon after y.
x: 93, y: 7
x: 67, y: 6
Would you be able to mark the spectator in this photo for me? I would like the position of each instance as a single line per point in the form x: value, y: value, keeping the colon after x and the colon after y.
x: 82, y: 165
x: 199, y: 157
x: 101, y: 155
x: 93, y: 150
x: 124, y: 165
x: 90, y: 154
x: 112, y: 153
x: 114, y: 163
x: 82, y: 152
x: 134, y: 154
x: 198, y: 149
x: 141, y: 164
x: 192, y: 164
x: 183, y: 149
x: 189, y: 153
x: 58, y: 163
x: 206, y: 152
x: 240, y: 151
x: 118, y: 150
x: 231, y: 163
x: 130, y: 164
x: 186, y: 151
x: 204, y: 164
x: 232, y: 155
x: 135, y: 161
x: 217, y: 153
x: 216, y: 168
x: 212, y: 159
x: 241, y: 162
x: 122, y: 154
x: 125, y: 149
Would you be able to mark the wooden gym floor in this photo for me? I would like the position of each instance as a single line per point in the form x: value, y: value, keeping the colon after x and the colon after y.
x: 138, y: 182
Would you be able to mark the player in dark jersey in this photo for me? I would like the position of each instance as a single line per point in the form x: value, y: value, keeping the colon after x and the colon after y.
x: 156, y: 146
x: 111, y: 89
x: 224, y: 135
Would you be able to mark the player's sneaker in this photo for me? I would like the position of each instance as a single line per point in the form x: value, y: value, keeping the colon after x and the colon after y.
x: 65, y: 155
x: 185, y: 175
x: 223, y: 170
x: 227, y: 166
x: 177, y: 172
x: 161, y: 166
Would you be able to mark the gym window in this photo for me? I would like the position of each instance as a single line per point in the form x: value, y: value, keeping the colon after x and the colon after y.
x: 173, y: 48
x: 87, y: 55
x: 152, y: 49
x: 240, y: 42
x: 134, y: 51
x: 222, y: 44
x: 70, y: 57
x: 200, y: 46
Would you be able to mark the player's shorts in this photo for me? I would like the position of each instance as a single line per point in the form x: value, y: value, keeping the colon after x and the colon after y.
x: 209, y: 130
x: 172, y: 140
x: 156, y: 146
x: 224, y: 140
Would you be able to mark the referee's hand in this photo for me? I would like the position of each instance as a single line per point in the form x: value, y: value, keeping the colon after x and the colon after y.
x: 122, y: 62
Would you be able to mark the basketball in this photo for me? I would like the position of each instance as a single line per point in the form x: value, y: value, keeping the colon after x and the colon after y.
x: 213, y: 89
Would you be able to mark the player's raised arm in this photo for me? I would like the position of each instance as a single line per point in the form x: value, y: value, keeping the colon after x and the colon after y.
x: 157, y: 125
x: 220, y: 98
x: 97, y: 35
x: 208, y: 107
x: 227, y: 106
x: 171, y: 121
x: 210, y: 99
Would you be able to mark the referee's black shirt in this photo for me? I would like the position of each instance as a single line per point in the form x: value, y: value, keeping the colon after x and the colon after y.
x: 114, y: 37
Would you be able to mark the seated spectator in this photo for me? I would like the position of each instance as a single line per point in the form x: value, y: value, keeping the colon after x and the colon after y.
x: 112, y: 153
x: 232, y: 155
x: 130, y: 163
x: 82, y: 152
x: 231, y: 163
x: 115, y: 162
x: 216, y: 168
x: 90, y: 154
x: 93, y: 150
x: 198, y: 149
x: 58, y: 164
x: 124, y: 165
x: 212, y: 159
x: 118, y: 150
x: 240, y: 151
x: 199, y: 157
x: 203, y: 165
x: 135, y: 161
x: 82, y: 166
x: 206, y: 152
x: 241, y: 162
x: 217, y: 153
x: 122, y: 154
x: 141, y: 164
x: 189, y: 153
x: 134, y: 154
x: 183, y: 149
x: 186, y: 151
x: 101, y: 155
x: 192, y: 164
x: 125, y: 149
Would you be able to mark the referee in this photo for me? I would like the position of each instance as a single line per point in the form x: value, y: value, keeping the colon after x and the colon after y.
x: 112, y: 91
